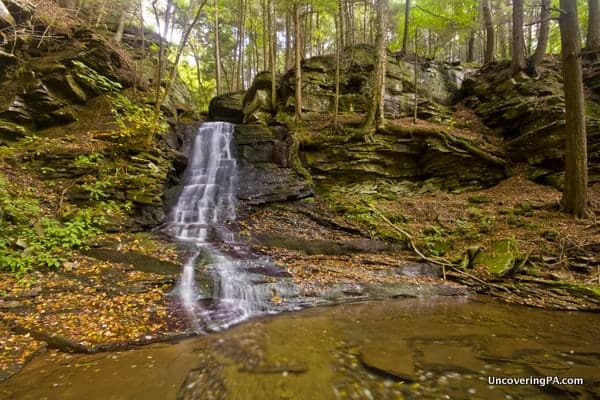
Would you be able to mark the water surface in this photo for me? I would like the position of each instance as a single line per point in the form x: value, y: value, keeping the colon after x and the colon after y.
x: 412, y: 348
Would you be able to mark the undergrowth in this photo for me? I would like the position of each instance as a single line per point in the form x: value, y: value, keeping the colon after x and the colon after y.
x: 31, y: 240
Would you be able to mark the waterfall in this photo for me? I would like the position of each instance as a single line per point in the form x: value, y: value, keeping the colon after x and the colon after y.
x: 207, y: 200
x: 205, y: 205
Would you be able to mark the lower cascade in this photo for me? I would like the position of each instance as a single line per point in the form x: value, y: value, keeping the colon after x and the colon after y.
x: 237, y: 286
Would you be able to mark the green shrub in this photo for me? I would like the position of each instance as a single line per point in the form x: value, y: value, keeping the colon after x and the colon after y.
x: 31, y: 241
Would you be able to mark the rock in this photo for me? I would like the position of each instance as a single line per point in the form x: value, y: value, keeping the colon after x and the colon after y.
x: 499, y: 258
x: 75, y: 89
x: 439, y: 85
x: 227, y: 107
x: 138, y: 261
x: 394, y: 359
x: 7, y: 59
x: 529, y: 114
x: 256, y: 105
x: 5, y: 17
x: 20, y: 10
x: 265, y: 166
x: 10, y: 132
x: 416, y: 154
x: 449, y: 357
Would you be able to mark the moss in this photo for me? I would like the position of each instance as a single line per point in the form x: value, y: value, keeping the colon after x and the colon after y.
x: 480, y: 199
x: 499, y: 258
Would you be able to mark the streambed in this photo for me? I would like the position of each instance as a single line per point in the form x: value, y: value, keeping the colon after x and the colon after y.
x: 445, y: 347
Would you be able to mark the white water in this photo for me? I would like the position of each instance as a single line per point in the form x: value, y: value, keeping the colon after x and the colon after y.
x: 204, y: 207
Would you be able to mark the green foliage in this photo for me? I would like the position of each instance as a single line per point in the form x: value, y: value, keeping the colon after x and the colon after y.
x: 134, y: 121
x: 30, y: 241
x: 97, y: 189
x: 93, y: 79
x: 88, y: 160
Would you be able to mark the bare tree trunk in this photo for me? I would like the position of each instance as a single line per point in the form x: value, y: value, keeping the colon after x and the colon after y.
x: 218, y: 80
x: 490, y: 40
x: 338, y: 44
x: 574, y: 198
x: 120, y: 26
x: 375, y: 114
x: 518, y: 63
x: 265, y: 36
x: 273, y: 55
x: 343, y: 39
x: 543, y: 36
x: 298, y: 60
x: 593, y: 31
x: 288, y: 40
x: 471, y: 47
x: 240, y: 55
x: 171, y: 79
x: 406, y: 27
x: 161, y: 62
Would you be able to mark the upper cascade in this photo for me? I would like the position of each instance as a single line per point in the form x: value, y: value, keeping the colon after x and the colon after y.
x: 208, y: 198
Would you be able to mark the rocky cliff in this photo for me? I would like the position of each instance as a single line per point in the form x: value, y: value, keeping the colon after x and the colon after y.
x: 474, y: 124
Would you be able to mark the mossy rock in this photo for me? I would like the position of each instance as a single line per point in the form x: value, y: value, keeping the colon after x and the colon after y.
x: 10, y: 132
x: 499, y: 258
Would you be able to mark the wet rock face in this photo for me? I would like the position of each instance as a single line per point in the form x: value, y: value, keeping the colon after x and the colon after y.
x: 265, y: 163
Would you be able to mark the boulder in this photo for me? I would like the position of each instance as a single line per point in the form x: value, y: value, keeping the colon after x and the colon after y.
x: 227, y: 107
x: 256, y: 105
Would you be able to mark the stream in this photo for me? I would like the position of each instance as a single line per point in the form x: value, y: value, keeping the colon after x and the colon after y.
x: 438, y: 348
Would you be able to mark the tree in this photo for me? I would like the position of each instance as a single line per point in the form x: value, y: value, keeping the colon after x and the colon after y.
x: 593, y: 31
x: 490, y: 40
x: 160, y: 99
x: 542, y: 41
x: 574, y: 198
x: 217, y: 51
x: 298, y: 60
x: 375, y: 113
x: 406, y: 27
x: 518, y: 63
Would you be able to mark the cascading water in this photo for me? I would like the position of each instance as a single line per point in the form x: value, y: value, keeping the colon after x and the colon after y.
x: 206, y: 203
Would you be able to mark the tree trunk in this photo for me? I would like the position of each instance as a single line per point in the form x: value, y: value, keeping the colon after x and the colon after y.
x: 593, y: 31
x: 218, y: 80
x: 471, y: 47
x: 298, y: 60
x: 338, y: 44
x: 265, y: 36
x: 288, y: 40
x: 375, y: 113
x: 490, y: 40
x: 120, y: 26
x: 518, y: 63
x: 542, y: 41
x: 241, y: 47
x: 273, y: 55
x: 574, y: 198
x: 169, y: 84
x: 406, y: 27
